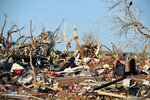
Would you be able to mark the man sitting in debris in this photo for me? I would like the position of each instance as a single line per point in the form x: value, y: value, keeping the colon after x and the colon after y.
x: 119, y: 67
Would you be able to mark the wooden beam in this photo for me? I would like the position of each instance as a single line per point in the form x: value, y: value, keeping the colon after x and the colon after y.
x: 110, y: 94
x: 49, y: 87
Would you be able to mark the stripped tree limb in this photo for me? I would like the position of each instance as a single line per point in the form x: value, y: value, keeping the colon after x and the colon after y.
x: 31, y: 31
x: 9, y: 33
x: 31, y: 64
x: 2, y: 30
x: 20, y: 38
x: 30, y: 53
x: 57, y: 29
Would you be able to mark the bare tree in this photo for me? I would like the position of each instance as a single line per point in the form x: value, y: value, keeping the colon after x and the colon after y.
x: 6, y: 39
x: 126, y: 18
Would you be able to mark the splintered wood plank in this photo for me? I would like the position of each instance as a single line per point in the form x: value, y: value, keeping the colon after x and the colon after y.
x: 110, y: 94
x: 140, y: 77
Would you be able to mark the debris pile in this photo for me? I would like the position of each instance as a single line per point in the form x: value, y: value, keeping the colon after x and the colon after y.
x: 33, y: 69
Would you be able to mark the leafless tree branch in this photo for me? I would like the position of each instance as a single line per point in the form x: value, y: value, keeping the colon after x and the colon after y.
x: 129, y: 21
x: 5, y: 19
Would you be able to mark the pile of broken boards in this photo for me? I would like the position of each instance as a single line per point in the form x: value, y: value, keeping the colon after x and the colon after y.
x: 71, y: 78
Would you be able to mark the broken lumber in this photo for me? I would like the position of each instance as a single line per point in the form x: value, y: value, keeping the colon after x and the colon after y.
x: 119, y: 96
x: 110, y: 94
x: 20, y: 97
x: 49, y: 87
